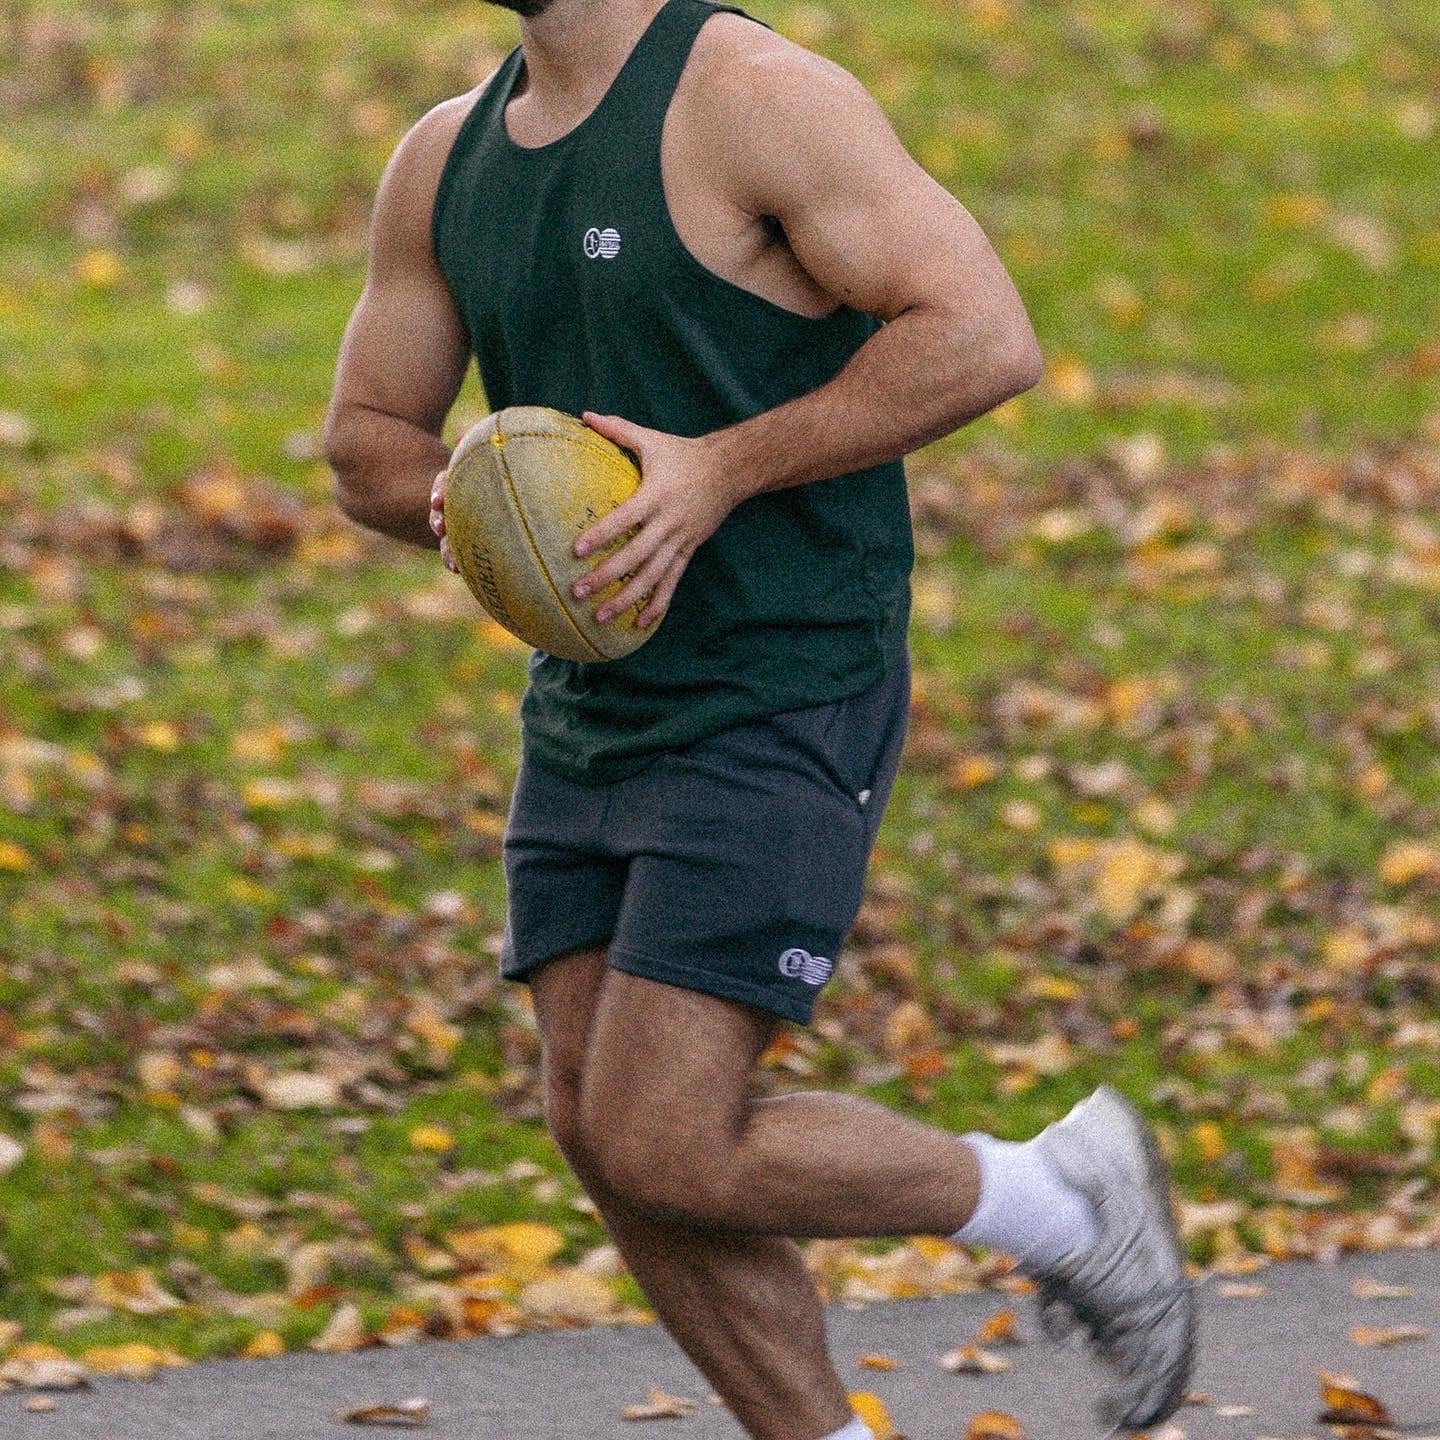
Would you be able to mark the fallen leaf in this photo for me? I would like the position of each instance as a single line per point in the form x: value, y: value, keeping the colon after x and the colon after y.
x: 572, y: 1295
x: 994, y: 1425
x: 871, y: 1409
x: 1365, y: 1287
x: 297, y: 1090
x: 972, y: 1360
x: 1235, y: 1290
x: 346, y: 1331
x: 42, y: 1367
x: 1387, y: 1334
x: 408, y: 1413
x: 878, y: 1362
x: 660, y: 1406
x: 40, y: 1404
x: 1233, y: 1412
x: 1345, y: 1405
x: 999, y: 1329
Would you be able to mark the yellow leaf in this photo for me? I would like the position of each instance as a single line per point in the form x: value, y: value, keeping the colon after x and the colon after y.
x: 160, y: 735
x: 1053, y: 987
x: 1408, y: 861
x: 572, y: 1295
x: 1295, y: 211
x: 1127, y: 871
x: 871, y: 1409
x: 439, y: 1036
x: 969, y: 772
x: 263, y: 746
x: 133, y: 1361
x: 14, y: 857
x: 519, y: 1248
x: 1209, y: 1140
x: 336, y: 548
x: 99, y: 269
x: 433, y: 1138
x: 1070, y: 380
x: 134, y: 1291
x: 494, y: 633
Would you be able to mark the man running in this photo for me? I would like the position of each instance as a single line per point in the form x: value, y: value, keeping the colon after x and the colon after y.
x: 709, y: 242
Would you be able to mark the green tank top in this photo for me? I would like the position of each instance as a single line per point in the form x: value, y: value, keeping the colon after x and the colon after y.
x: 578, y: 293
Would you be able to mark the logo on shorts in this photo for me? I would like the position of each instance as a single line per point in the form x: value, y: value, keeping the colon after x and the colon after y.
x: 601, y: 244
x: 812, y: 969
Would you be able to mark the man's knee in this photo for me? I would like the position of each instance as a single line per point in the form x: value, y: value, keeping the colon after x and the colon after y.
x: 663, y: 1167
x: 562, y: 1118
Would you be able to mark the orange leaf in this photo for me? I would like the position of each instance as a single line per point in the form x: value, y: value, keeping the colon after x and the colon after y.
x: 1347, y: 1406
x: 879, y: 1362
x: 994, y: 1425
x: 999, y: 1329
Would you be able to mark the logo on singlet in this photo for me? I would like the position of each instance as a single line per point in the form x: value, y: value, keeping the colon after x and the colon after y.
x: 812, y: 969
x: 602, y: 244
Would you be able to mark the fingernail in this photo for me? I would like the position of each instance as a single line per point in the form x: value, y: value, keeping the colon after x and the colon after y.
x: 582, y: 547
x: 582, y: 589
x: 604, y: 615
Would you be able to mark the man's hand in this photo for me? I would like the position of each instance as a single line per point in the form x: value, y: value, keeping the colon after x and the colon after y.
x: 683, y: 497
x: 437, y: 521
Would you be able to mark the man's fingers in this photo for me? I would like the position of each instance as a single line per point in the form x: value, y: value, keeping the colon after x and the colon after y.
x: 621, y: 431
x: 664, y: 593
x: 437, y: 492
x: 641, y: 584
x: 448, y: 556
x: 627, y: 560
x: 623, y: 517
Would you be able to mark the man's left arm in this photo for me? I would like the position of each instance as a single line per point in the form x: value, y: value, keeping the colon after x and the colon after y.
x: 815, y: 150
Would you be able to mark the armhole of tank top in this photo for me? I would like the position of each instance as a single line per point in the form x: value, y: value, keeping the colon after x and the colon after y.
x: 456, y: 154
x: 689, y: 259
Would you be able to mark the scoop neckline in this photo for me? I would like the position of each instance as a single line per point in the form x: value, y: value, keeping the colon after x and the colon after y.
x: 599, y: 104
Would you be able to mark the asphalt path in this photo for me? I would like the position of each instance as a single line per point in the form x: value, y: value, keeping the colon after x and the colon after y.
x: 1258, y: 1361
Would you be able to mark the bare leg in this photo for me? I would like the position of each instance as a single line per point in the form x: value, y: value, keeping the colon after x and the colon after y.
x: 666, y: 1113
x: 743, y: 1307
x: 745, y: 1310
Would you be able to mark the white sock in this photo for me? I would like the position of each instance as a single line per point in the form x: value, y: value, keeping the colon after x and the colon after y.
x: 857, y: 1429
x: 1026, y: 1209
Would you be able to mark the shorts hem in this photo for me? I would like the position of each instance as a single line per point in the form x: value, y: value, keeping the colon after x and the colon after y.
x: 522, y: 973
x: 727, y: 987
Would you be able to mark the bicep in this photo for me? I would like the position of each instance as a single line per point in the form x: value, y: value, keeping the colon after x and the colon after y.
x: 862, y: 217
x: 405, y: 348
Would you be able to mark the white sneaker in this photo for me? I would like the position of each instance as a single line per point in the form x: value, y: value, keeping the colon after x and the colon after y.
x: 1127, y: 1293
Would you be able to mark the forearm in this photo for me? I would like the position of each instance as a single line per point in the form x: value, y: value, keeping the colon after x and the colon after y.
x: 384, y: 469
x: 908, y: 385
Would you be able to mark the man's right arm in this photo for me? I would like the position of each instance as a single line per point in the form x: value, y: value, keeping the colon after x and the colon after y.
x: 405, y: 351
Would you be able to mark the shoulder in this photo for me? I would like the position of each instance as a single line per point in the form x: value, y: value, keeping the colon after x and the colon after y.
x: 774, y: 119
x: 411, y: 180
x: 421, y: 154
x: 739, y: 67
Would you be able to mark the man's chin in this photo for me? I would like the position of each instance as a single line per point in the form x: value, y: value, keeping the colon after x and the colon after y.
x: 528, y: 9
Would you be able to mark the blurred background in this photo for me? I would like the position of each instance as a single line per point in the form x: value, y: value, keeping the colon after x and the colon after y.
x: 1170, y: 814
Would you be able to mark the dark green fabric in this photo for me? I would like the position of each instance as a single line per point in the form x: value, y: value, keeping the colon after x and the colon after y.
x: 801, y: 597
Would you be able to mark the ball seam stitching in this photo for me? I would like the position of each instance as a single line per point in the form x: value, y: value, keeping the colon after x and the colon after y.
x: 535, y: 551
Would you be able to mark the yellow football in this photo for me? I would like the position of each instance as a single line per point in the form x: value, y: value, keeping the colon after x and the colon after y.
x: 521, y: 486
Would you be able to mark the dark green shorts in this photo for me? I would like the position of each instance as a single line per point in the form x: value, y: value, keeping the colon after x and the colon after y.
x: 735, y: 866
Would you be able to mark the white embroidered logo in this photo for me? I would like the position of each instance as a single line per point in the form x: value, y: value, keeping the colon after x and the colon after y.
x: 602, y: 244
x: 812, y: 969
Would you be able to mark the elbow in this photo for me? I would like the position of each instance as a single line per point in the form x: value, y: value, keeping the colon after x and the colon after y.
x: 338, y: 448
x: 1025, y: 364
